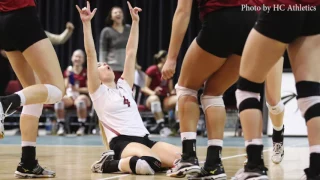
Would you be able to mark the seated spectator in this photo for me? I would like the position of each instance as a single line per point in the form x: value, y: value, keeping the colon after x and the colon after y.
x: 160, y: 93
x: 76, y: 93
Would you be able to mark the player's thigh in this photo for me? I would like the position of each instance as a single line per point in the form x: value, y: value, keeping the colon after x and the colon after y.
x: 21, y: 68
x: 224, y: 77
x: 197, y: 67
x: 167, y: 153
x: 137, y: 149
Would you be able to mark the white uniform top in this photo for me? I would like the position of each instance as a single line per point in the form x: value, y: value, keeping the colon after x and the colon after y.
x: 118, y: 111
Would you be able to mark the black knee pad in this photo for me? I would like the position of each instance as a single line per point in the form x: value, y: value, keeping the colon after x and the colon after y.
x: 246, y: 85
x: 154, y: 163
x: 250, y: 103
x: 312, y: 112
x: 307, y: 89
x: 133, y: 163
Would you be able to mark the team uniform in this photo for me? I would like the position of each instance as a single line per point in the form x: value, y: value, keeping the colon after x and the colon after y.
x: 20, y: 27
x: 80, y: 80
x: 286, y: 21
x: 155, y: 74
x: 13, y: 35
x: 119, y: 115
x: 225, y: 28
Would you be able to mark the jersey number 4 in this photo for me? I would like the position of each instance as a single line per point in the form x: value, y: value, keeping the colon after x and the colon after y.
x: 126, y: 101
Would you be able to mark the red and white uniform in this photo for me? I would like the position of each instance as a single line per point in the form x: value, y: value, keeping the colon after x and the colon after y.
x: 11, y: 5
x: 118, y: 111
x: 155, y: 74
x: 80, y: 81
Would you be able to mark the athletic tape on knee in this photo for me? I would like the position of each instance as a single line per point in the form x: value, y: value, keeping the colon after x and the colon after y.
x: 309, y: 107
x: 208, y: 101
x: 247, y: 100
x: 277, y: 109
x: 81, y: 104
x: 59, y: 105
x: 54, y: 94
x: 33, y: 110
x: 182, y: 91
x: 156, y: 107
x: 154, y: 163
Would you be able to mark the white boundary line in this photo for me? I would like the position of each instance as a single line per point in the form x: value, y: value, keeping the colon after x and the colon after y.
x: 113, y: 177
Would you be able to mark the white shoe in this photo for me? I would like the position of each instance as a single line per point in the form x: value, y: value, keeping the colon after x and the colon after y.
x: 3, y: 115
x: 278, y: 152
x: 80, y: 131
x: 97, y: 167
x: 255, y: 174
x: 61, y: 131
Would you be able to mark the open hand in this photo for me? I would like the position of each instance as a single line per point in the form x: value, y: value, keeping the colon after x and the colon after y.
x: 134, y: 12
x: 85, y: 13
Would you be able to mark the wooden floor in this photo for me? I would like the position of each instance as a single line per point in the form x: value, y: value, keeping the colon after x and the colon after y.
x: 73, y: 162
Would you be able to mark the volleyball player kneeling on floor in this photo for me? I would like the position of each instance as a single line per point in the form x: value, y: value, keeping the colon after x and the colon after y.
x: 133, y: 151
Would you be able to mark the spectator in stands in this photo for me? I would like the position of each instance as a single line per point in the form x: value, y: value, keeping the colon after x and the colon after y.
x: 76, y: 93
x: 113, y: 40
x: 161, y: 94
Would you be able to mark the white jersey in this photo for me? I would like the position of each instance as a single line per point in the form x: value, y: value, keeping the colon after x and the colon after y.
x: 118, y: 111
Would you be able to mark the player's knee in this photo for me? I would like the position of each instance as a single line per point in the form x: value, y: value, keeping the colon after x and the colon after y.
x: 81, y: 104
x: 59, y: 105
x: 308, y: 99
x: 276, y: 109
x: 155, y: 107
x: 33, y: 110
x: 54, y: 94
x: 146, y: 165
x: 208, y: 101
x: 183, y: 91
x: 248, y: 94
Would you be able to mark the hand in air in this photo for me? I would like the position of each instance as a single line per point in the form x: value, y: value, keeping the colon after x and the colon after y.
x: 168, y: 69
x: 85, y: 13
x: 70, y: 26
x: 134, y: 12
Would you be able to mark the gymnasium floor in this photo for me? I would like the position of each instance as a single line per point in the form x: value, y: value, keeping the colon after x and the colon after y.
x: 71, y: 157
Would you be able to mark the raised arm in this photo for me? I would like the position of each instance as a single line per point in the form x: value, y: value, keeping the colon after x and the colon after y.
x: 132, y: 46
x: 63, y: 37
x: 92, y: 67
x: 179, y: 27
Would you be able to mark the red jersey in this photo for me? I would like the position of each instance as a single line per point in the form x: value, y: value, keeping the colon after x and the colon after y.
x: 80, y: 78
x: 155, y: 74
x: 11, y: 5
x: 207, y: 6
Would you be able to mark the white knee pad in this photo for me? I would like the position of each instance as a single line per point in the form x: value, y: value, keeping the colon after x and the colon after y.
x: 243, y: 95
x: 182, y: 91
x: 277, y: 109
x: 156, y: 107
x: 33, y: 110
x: 54, y: 94
x: 143, y: 168
x: 81, y: 104
x: 208, y: 101
x: 59, y: 105
x: 306, y: 102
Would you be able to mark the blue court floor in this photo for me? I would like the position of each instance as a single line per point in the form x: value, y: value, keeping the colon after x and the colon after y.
x: 95, y: 140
